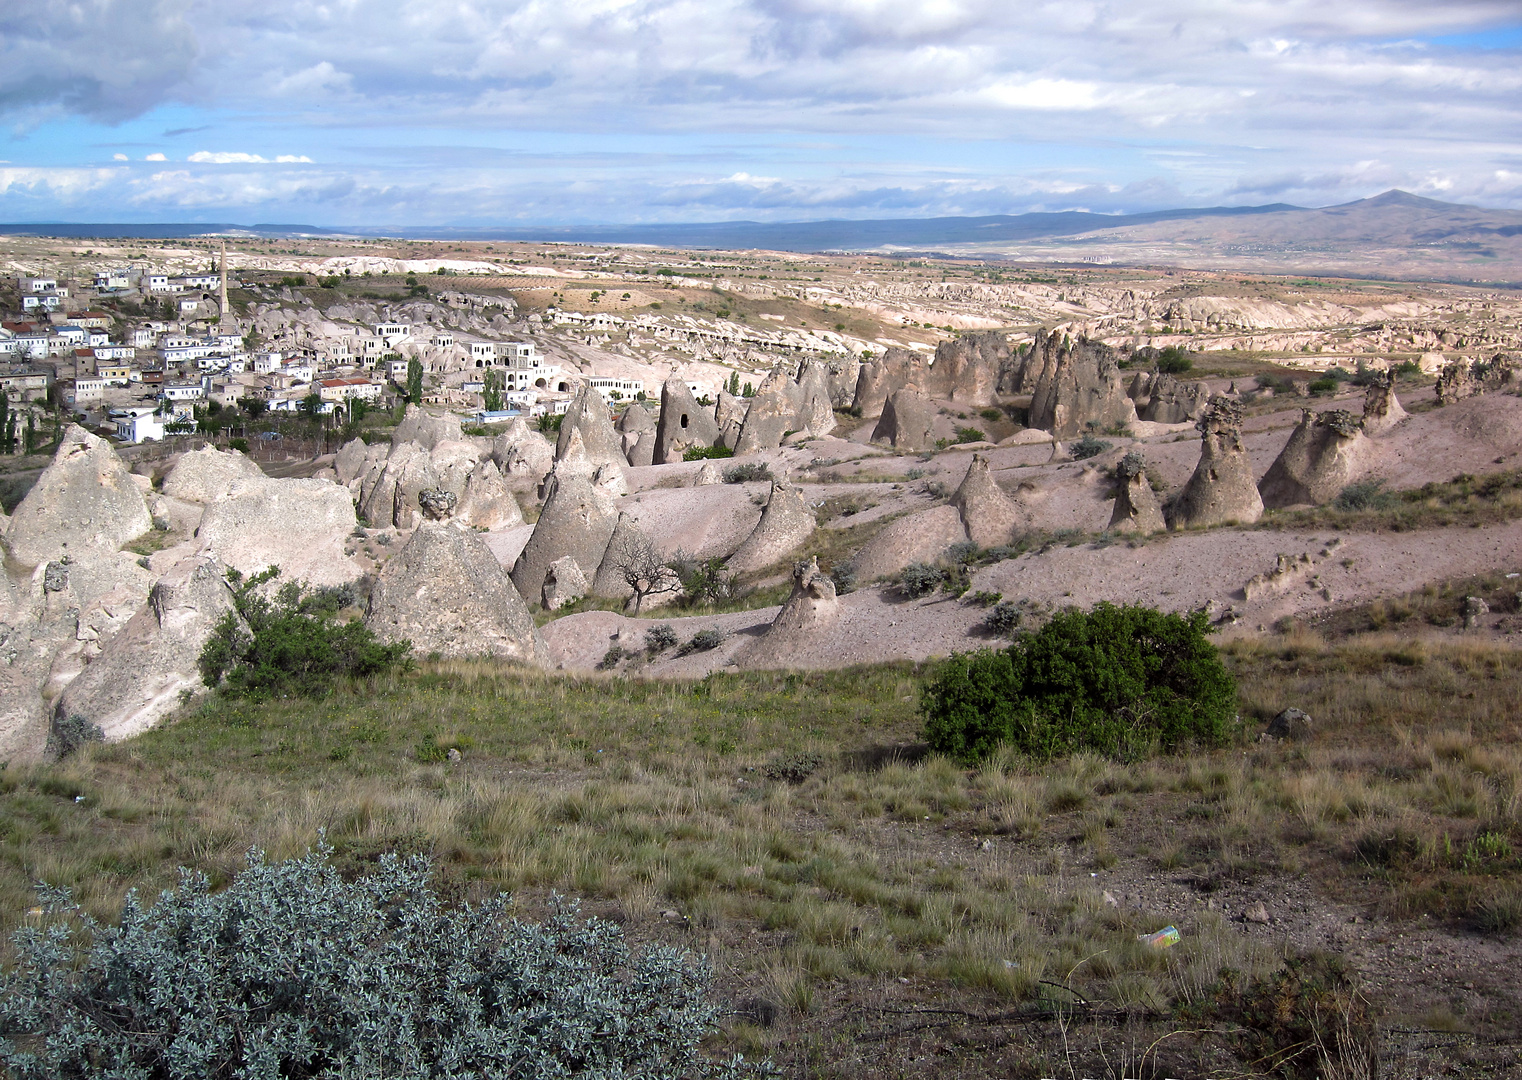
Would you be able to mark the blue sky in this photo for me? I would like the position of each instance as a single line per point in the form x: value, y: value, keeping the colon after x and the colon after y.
x: 474, y: 112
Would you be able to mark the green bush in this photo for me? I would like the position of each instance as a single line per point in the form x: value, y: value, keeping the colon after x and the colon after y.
x: 240, y: 445
x: 1088, y: 447
x: 292, y: 645
x: 1174, y: 361
x: 703, y: 453
x: 660, y: 637
x: 703, y: 641
x: 293, y: 972
x: 1365, y: 495
x: 1322, y: 386
x: 741, y: 474
x: 920, y: 579
x: 1116, y: 680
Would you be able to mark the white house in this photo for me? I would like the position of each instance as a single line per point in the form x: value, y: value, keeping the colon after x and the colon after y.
x: 141, y: 338
x: 71, y: 335
x: 391, y: 333
x: 183, y: 392
x: 149, y: 282
x: 46, y: 302
x: 84, y: 390
x: 616, y: 389
x: 109, y: 280
x: 139, y: 424
x: 37, y: 284
x: 266, y: 362
x: 114, y: 352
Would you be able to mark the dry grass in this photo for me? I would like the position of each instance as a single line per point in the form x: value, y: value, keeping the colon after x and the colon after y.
x: 652, y: 801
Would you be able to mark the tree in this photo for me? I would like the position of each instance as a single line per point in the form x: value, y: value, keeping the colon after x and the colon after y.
x: 255, y: 407
x: 5, y: 420
x: 495, y: 382
x: 733, y: 387
x: 311, y: 405
x: 641, y: 567
x: 414, y: 381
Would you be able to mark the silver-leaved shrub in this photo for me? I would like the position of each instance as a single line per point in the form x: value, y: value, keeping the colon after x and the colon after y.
x: 292, y: 972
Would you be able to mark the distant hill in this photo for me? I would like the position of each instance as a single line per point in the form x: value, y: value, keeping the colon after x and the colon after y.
x: 1396, y: 234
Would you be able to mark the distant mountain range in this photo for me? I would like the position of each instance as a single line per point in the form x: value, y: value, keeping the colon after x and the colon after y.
x: 1396, y: 234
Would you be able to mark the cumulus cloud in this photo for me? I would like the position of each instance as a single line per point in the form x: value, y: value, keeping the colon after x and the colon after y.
x: 1197, y: 100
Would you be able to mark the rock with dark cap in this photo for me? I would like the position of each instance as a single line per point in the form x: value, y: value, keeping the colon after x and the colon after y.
x: 1136, y: 509
x: 1221, y: 489
x: 1321, y: 456
x: 809, y: 615
x: 1381, y: 408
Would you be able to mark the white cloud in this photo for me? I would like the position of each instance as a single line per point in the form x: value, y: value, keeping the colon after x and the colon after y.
x: 118, y: 157
x: 155, y: 157
x: 207, y: 157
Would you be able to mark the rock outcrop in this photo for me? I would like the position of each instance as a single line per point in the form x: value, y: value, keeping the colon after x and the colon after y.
x: 809, y: 615
x: 683, y: 423
x: 1136, y: 509
x: 144, y: 671
x: 577, y: 520
x: 1080, y: 387
x: 522, y: 455
x: 785, y: 524
x: 968, y: 369
x: 589, y: 417
x: 205, y: 475
x: 989, y: 515
x: 907, y: 421
x: 1172, y: 401
x: 1321, y: 456
x: 878, y: 380
x: 1221, y: 490
x: 1456, y: 382
x: 564, y: 583
x: 785, y: 404
x: 85, y: 503
x: 427, y: 428
x: 1381, y: 408
x: 486, y: 503
x: 921, y: 537
x: 636, y: 435
x: 298, y: 525
x: 445, y: 592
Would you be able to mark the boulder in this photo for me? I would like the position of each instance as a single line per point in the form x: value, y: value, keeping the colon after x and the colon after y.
x: 921, y: 537
x: 205, y: 475
x: 989, y: 515
x: 486, y: 503
x: 1290, y: 724
x: 299, y: 525
x: 145, y: 671
x: 710, y: 472
x: 785, y: 524
x: 1381, y: 408
x: 1136, y: 509
x: 805, y: 621
x: 563, y: 583
x: 906, y: 421
x: 683, y: 423
x: 1082, y: 389
x: 1474, y: 611
x: 577, y: 520
x: 1172, y: 401
x: 86, y: 502
x: 437, y: 504
x: 1456, y: 382
x: 522, y: 455
x: 589, y: 417
x: 427, y: 428
x: 1321, y: 456
x: 1221, y: 489
x: 445, y: 593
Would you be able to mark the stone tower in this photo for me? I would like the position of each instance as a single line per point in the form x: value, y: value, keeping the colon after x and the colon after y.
x: 222, y: 295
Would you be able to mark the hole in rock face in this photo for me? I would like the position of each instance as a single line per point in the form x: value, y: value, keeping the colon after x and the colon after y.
x: 684, y: 419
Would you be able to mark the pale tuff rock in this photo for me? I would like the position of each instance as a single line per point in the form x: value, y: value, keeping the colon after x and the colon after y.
x: 577, y: 520
x: 1171, y: 401
x: 922, y: 537
x: 609, y: 579
x: 906, y: 421
x: 1136, y: 509
x: 989, y: 515
x: 785, y: 524
x: 446, y: 593
x: 426, y: 428
x: 351, y: 460
x: 897, y: 369
x: 205, y: 475
x: 683, y: 423
x: 1381, y: 408
x: 1080, y: 387
x: 637, y: 429
x: 968, y: 369
x: 486, y: 503
x: 841, y: 374
x: 298, y: 525
x: 1059, y: 453
x: 786, y: 404
x: 563, y: 583
x: 378, y: 501
x: 1221, y: 490
x: 589, y: 417
x: 610, y: 479
x: 632, y: 554
x: 86, y: 502
x: 1321, y: 456
x: 523, y: 456
x: 710, y: 472
x: 811, y: 611
x: 1474, y: 611
x: 144, y: 671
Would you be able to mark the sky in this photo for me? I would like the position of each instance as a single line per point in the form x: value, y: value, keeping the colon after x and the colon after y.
x: 526, y: 112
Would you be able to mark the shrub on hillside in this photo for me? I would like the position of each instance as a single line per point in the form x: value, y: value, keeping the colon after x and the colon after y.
x: 291, y: 645
x: 1088, y: 446
x: 1174, y: 361
x: 748, y: 472
x: 292, y: 971
x: 1116, y: 680
x: 704, y: 453
x: 920, y: 579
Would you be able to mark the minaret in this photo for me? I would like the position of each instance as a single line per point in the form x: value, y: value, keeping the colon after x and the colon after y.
x: 224, y: 279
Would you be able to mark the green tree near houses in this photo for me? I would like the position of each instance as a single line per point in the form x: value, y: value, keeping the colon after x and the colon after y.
x: 415, y: 381
x: 495, y: 383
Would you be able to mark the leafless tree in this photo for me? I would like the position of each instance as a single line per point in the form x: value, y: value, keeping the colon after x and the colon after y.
x: 641, y: 567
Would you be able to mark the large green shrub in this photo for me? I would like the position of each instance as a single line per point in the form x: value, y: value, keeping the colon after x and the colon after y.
x: 291, y: 645
x: 293, y: 972
x: 1116, y: 680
